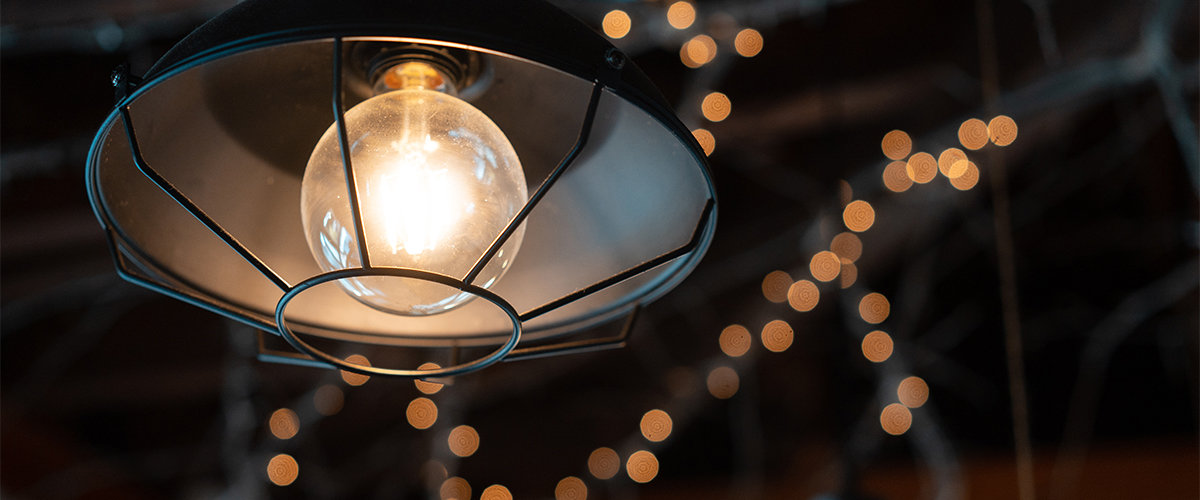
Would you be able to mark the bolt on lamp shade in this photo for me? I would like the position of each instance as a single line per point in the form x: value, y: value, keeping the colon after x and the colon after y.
x: 196, y: 174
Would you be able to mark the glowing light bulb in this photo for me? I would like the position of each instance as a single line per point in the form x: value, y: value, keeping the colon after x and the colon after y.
x: 436, y: 182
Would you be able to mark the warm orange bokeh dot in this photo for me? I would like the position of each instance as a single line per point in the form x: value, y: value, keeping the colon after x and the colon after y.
x: 681, y: 15
x: 896, y: 144
x: 947, y: 159
x: 849, y: 274
x: 707, y: 142
x: 921, y: 168
x: 282, y: 469
x: 723, y: 382
x: 604, y: 463
x: 463, y: 441
x: 656, y: 425
x: 748, y: 42
x: 715, y: 106
x: 877, y: 346
x: 424, y: 386
x: 968, y: 179
x: 874, y: 308
x: 825, y: 265
x: 642, y: 466
x: 698, y: 51
x: 777, y: 335
x: 616, y: 24
x: 895, y: 177
x: 328, y: 399
x: 735, y: 340
x: 913, y: 392
x: 495, y: 492
x: 803, y: 295
x: 570, y: 488
x: 846, y: 246
x: 455, y: 488
x: 1002, y: 130
x: 284, y: 423
x: 895, y: 419
x: 422, y: 413
x: 354, y: 378
x: 858, y: 216
x: 775, y: 286
x: 845, y: 192
x: 973, y: 134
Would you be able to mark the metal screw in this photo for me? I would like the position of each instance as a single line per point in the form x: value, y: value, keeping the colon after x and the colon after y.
x: 615, y: 58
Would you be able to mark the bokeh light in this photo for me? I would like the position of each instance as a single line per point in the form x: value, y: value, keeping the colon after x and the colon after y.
x: 874, y: 308
x: 858, y: 216
x: 642, y: 466
x: 282, y: 469
x: 895, y: 419
x: 455, y: 488
x: 422, y: 413
x: 895, y: 177
x: 707, y: 142
x: 845, y: 192
x: 656, y: 425
x: 284, y: 423
x: 698, y: 51
x: 748, y: 42
x: 968, y: 179
x: 604, y: 463
x: 722, y: 382
x: 425, y: 386
x: 1002, y: 130
x: 616, y: 24
x: 463, y: 441
x: 973, y: 134
x: 896, y: 144
x: 433, y: 472
x: 847, y: 246
x: 825, y: 265
x: 354, y: 378
x: 681, y: 15
x: 848, y: 275
x: 775, y: 286
x: 495, y: 492
x: 735, y: 340
x: 921, y: 168
x: 947, y: 159
x: 777, y: 335
x: 328, y: 399
x: 803, y: 295
x: 877, y: 346
x: 570, y: 488
x: 913, y: 392
x: 715, y: 106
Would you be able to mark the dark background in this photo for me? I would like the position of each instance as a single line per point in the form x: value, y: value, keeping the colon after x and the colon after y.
x: 110, y: 391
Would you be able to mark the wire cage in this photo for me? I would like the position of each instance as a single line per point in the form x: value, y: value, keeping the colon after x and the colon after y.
x: 195, y: 177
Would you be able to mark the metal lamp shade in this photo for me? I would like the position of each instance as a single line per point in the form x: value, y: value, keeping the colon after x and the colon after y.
x: 196, y: 172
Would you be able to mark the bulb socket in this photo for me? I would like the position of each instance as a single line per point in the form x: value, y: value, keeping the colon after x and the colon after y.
x: 397, y: 66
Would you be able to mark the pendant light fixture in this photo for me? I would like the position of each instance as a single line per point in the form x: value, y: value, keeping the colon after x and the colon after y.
x: 463, y: 174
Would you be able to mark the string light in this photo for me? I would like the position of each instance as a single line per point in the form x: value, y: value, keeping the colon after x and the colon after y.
x: 825, y: 265
x: 284, y: 423
x: 748, y: 42
x: 968, y: 179
x: 777, y: 335
x: 495, y: 492
x: 847, y: 246
x: 352, y: 378
x: 913, y: 392
x: 858, y: 216
x: 463, y: 441
x: 973, y: 134
x: 803, y: 296
x: 570, y: 488
x: 616, y: 24
x: 328, y: 400
x: 849, y: 274
x: 1002, y: 130
x: 877, y: 346
x: 681, y: 15
x: 722, y: 382
x: 895, y: 419
x: 604, y: 463
x: 698, y: 51
x: 642, y: 466
x: 896, y: 144
x: 895, y: 177
x: 455, y: 488
x: 656, y: 425
x: 282, y: 469
x: 874, y: 308
x: 775, y: 286
x: 947, y: 160
x: 735, y: 341
x: 422, y: 413
x: 922, y: 168
x: 715, y: 107
x: 707, y: 142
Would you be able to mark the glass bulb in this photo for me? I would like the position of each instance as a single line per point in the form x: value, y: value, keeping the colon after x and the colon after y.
x: 437, y: 181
